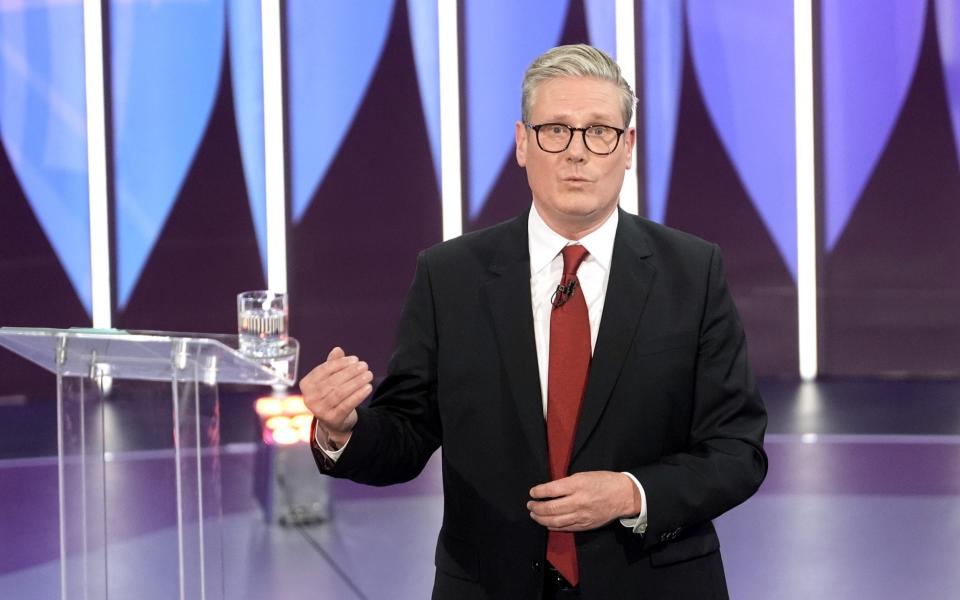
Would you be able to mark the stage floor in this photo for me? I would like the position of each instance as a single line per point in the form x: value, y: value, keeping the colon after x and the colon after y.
x: 862, y: 501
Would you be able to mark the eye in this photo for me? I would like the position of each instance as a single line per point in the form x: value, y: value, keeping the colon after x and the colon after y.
x: 597, y: 130
x: 556, y: 129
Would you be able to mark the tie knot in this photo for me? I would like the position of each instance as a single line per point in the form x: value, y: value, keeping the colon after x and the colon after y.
x: 573, y: 255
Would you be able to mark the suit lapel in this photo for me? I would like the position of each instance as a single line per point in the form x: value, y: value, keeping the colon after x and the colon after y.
x: 508, y: 294
x: 631, y: 278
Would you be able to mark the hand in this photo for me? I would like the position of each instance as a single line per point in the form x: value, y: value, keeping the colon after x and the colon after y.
x: 584, y: 501
x: 333, y: 390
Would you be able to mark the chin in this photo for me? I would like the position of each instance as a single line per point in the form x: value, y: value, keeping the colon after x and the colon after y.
x: 574, y: 207
x: 582, y: 209
x: 574, y: 201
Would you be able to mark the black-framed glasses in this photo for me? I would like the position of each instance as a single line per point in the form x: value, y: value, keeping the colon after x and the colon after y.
x: 556, y: 137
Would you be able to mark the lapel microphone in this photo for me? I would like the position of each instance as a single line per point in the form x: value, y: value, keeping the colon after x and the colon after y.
x: 563, y: 293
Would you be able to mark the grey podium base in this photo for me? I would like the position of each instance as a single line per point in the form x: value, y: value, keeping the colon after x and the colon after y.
x: 288, y: 486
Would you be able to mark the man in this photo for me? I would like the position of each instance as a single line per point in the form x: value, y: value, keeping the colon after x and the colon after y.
x: 584, y: 369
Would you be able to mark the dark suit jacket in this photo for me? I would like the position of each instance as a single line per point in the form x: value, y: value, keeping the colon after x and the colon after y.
x: 670, y: 398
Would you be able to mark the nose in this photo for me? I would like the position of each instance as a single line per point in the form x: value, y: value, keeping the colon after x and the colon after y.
x: 577, y: 150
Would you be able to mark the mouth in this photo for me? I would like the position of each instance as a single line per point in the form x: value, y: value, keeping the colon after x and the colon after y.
x: 575, y: 179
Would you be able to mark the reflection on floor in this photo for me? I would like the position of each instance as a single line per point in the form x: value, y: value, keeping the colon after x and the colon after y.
x: 862, y: 501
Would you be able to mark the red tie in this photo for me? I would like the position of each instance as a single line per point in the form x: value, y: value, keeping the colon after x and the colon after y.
x: 566, y: 382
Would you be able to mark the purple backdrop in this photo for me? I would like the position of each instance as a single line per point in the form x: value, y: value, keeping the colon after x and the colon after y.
x: 890, y: 290
x: 716, y: 142
x: 353, y: 252
x: 206, y: 251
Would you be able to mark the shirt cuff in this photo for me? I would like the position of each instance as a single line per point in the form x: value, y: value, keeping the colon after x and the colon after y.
x: 637, y: 524
x: 334, y: 455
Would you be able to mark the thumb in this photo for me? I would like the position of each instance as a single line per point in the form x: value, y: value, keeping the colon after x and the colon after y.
x: 336, y: 353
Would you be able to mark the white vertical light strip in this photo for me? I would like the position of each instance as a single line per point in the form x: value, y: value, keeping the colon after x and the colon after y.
x: 806, y: 187
x: 97, y: 162
x: 626, y: 58
x: 451, y: 199
x: 274, y: 159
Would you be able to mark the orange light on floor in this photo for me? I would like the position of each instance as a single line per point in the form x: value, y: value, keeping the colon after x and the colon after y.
x: 293, y: 405
x: 302, y: 421
x: 269, y: 406
x: 278, y: 422
x: 285, y: 437
x: 286, y: 419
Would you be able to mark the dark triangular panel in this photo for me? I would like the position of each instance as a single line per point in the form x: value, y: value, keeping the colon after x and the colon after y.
x: 510, y: 195
x: 34, y: 288
x: 354, y: 251
x: 707, y: 198
x: 207, y: 251
x: 891, y: 285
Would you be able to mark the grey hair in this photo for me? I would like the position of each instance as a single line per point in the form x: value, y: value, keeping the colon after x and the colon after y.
x: 577, y: 60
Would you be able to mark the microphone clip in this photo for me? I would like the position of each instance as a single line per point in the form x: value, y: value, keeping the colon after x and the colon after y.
x: 563, y: 293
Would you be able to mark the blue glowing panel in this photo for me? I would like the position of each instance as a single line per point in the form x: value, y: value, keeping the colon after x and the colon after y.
x: 502, y: 39
x: 165, y: 58
x: 43, y: 124
x: 742, y: 51
x: 333, y: 48
x: 948, y: 30
x: 424, y: 35
x: 602, y: 24
x: 246, y: 73
x: 870, y: 51
x: 662, y: 64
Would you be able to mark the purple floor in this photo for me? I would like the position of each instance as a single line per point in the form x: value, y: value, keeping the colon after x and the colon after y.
x: 841, y: 515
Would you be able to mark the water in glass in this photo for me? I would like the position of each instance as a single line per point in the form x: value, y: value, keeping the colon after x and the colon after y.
x: 262, y: 323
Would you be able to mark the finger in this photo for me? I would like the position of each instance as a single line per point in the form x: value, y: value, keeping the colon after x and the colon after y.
x: 318, y: 378
x: 550, y: 508
x: 338, y: 387
x: 335, y: 360
x: 351, y: 371
x: 351, y: 402
x: 332, y: 367
x: 558, y: 523
x: 544, y: 490
x: 552, y: 489
x: 348, y: 388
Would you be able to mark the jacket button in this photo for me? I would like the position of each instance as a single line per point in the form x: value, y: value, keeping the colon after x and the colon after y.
x: 537, y: 565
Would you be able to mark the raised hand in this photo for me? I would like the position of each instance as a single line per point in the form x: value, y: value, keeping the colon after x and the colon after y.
x: 332, y: 391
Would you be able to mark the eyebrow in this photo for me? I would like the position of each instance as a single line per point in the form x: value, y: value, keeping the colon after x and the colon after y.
x: 592, y: 119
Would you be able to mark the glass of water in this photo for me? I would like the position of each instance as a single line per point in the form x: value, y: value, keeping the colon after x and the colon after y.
x: 262, y: 323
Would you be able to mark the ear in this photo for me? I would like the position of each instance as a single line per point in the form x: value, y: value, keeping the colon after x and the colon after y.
x: 630, y: 140
x: 520, y: 133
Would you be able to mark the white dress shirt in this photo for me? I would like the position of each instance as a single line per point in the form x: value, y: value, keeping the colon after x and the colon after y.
x: 546, y: 270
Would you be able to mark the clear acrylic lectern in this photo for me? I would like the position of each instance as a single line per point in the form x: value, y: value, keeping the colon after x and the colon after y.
x: 187, y: 368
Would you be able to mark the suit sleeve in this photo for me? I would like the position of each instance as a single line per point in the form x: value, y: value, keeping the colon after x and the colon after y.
x: 723, y: 462
x: 400, y: 429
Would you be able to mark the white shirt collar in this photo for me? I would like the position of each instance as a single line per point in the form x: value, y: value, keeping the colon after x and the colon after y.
x: 546, y: 243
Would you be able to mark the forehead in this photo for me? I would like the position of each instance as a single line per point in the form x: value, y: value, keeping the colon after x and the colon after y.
x: 576, y: 98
